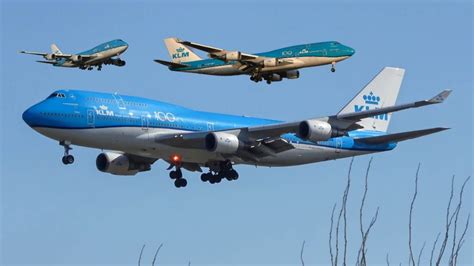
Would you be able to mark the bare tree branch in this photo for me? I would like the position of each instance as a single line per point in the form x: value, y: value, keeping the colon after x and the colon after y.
x: 387, y: 260
x: 330, y: 234
x: 301, y: 253
x: 156, y: 254
x: 448, y: 224
x: 363, y: 252
x: 457, y: 211
x: 341, y: 212
x: 344, y: 204
x: 141, y: 252
x: 419, y: 254
x: 361, y: 214
x: 412, y: 259
x: 461, y: 240
x: 433, y: 249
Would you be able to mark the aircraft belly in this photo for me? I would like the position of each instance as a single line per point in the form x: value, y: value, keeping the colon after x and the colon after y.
x: 305, y: 154
x: 225, y: 70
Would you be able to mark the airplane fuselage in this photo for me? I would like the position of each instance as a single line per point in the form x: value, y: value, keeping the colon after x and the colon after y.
x: 132, y: 124
x: 100, y: 53
x: 295, y: 57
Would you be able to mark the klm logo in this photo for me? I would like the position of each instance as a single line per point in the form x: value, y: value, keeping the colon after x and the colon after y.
x: 371, y: 102
x: 104, y: 110
x: 180, y: 53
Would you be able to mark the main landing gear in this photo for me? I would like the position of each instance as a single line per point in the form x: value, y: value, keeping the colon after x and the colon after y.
x: 219, y: 171
x: 177, y: 175
x: 67, y: 158
x: 333, y: 67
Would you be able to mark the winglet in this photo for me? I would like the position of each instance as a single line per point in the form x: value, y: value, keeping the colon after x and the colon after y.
x: 440, y: 97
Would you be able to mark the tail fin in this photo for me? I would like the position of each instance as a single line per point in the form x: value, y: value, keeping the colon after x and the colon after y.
x: 55, y: 49
x: 382, y: 91
x: 179, y: 52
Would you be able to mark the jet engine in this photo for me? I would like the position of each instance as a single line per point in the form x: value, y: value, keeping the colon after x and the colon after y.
x: 315, y: 130
x: 222, y: 142
x: 116, y: 62
x: 119, y: 164
x: 270, y: 62
x: 274, y: 77
x: 49, y: 56
x: 292, y: 74
x: 232, y: 56
x: 76, y: 58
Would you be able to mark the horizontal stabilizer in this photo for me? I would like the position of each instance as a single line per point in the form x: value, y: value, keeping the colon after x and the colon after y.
x: 170, y: 64
x: 47, y: 62
x: 397, y: 137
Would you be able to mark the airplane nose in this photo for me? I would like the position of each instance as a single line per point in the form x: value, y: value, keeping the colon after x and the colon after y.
x: 31, y: 115
x: 350, y: 51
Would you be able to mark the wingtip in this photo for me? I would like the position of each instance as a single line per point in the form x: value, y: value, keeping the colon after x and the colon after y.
x: 441, y: 97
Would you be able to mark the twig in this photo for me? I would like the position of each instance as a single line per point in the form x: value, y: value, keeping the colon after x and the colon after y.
x: 330, y: 235
x: 412, y: 259
x: 141, y: 252
x: 461, y: 240
x: 363, y: 260
x: 361, y: 211
x: 457, y: 211
x: 419, y: 254
x: 156, y: 254
x: 448, y: 224
x: 344, y: 204
x: 301, y: 253
x: 387, y: 260
x: 433, y: 249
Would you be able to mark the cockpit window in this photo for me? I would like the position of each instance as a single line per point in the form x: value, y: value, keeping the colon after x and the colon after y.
x: 57, y: 95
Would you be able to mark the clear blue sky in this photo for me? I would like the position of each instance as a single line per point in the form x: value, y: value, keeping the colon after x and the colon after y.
x: 74, y: 214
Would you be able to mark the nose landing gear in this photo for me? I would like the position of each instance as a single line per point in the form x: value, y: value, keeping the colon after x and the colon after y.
x: 333, y: 67
x: 67, y: 158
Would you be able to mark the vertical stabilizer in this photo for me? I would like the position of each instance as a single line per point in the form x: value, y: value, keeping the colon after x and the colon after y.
x: 382, y: 91
x: 179, y: 52
x: 55, y: 49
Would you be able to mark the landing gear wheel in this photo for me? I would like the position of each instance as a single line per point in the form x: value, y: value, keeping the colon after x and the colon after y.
x: 205, y: 177
x: 176, y: 174
x: 68, y: 159
x: 333, y: 69
x: 233, y: 174
x: 269, y: 81
x: 180, y: 182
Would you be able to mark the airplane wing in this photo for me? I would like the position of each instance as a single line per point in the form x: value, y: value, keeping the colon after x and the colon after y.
x: 33, y: 53
x: 218, y: 53
x: 397, y: 137
x: 46, y: 62
x: 261, y: 141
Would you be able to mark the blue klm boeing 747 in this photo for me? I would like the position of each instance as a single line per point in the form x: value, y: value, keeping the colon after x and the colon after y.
x: 137, y: 131
x: 97, y: 56
x: 271, y: 66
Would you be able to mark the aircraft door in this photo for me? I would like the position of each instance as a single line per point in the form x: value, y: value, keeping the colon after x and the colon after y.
x: 91, y: 117
x: 119, y: 100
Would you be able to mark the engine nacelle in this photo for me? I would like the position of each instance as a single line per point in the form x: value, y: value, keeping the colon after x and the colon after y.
x: 270, y: 62
x: 232, y: 56
x: 292, y: 74
x: 119, y: 164
x: 315, y: 130
x: 76, y: 58
x: 49, y: 56
x: 116, y: 62
x: 275, y: 77
x: 222, y: 142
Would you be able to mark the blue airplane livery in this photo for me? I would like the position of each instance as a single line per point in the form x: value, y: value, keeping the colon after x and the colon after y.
x: 270, y: 66
x: 100, y: 55
x: 135, y: 132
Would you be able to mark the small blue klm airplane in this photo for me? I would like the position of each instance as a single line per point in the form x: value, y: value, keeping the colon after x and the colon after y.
x: 138, y: 131
x: 270, y: 66
x: 97, y: 56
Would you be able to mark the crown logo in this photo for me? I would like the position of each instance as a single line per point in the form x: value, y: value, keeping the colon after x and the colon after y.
x: 371, y: 99
x: 103, y: 107
x: 180, y: 50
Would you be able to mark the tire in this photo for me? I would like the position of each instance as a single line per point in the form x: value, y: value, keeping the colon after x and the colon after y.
x: 64, y: 160
x: 70, y: 159
x: 205, y: 177
x: 177, y: 183
x: 183, y: 182
x: 173, y: 175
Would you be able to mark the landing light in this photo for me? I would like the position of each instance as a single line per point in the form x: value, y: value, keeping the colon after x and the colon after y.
x: 176, y: 158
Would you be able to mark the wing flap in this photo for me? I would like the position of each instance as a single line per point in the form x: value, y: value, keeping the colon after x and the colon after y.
x: 397, y: 137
